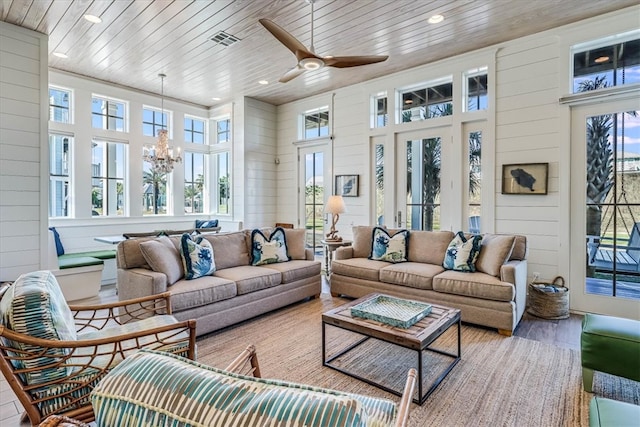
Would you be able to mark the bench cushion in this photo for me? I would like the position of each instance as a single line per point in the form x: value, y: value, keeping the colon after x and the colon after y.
x: 103, y: 254
x: 611, y: 413
x: 151, y: 388
x: 65, y: 262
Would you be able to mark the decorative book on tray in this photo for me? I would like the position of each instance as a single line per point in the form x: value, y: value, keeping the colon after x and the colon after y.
x: 392, y: 311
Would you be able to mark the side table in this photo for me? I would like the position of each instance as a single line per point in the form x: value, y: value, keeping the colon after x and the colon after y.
x: 329, y: 247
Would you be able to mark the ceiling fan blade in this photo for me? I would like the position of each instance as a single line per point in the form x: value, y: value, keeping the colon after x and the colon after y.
x: 353, y: 61
x: 286, y: 39
x: 292, y: 74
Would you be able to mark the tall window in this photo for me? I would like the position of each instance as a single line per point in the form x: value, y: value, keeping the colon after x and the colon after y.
x: 59, y: 182
x: 59, y: 105
x: 154, y: 191
x: 107, y: 178
x: 108, y: 114
x: 423, y: 184
x: 194, y: 179
x: 153, y: 120
x: 476, y: 90
x: 223, y: 131
x: 606, y: 63
x: 223, y: 178
x: 316, y: 123
x: 380, y: 113
x: 379, y: 184
x: 427, y: 102
x: 194, y: 130
x: 475, y: 181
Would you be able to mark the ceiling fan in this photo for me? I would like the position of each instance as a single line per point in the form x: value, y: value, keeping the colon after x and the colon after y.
x: 307, y: 59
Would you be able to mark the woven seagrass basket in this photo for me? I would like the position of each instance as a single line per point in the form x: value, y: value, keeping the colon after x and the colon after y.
x: 549, y: 300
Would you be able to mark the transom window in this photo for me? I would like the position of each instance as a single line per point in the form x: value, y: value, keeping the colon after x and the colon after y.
x: 107, y: 178
x: 153, y: 120
x: 59, y: 105
x: 223, y: 131
x: 108, y: 114
x: 427, y: 102
x: 316, y: 123
x: 194, y: 130
x: 614, y: 63
x: 59, y: 176
x: 476, y: 90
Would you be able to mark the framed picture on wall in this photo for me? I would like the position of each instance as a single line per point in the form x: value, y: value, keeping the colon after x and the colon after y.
x: 347, y: 185
x: 525, y: 178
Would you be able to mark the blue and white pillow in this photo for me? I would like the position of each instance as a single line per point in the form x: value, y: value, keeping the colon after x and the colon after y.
x: 389, y: 248
x: 269, y: 250
x: 462, y: 253
x: 197, y: 257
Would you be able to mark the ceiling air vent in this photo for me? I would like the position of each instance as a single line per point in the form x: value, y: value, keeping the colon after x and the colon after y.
x: 225, y: 39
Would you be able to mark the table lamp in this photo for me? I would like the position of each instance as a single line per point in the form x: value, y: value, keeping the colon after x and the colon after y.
x: 335, y: 206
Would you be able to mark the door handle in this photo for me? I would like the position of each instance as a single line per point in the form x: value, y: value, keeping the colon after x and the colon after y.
x: 399, y: 218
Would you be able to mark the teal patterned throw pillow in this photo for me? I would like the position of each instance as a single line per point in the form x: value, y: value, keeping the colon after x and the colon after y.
x: 268, y: 250
x: 462, y: 253
x: 389, y: 248
x: 197, y: 257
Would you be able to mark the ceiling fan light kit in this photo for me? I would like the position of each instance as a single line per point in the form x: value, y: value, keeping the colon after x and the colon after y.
x: 307, y: 59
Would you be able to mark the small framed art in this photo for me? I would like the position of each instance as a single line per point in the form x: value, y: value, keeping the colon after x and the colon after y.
x: 347, y: 185
x: 525, y: 178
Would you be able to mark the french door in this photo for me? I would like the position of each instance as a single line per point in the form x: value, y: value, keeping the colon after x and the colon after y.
x: 423, y: 180
x: 314, y: 189
x: 605, y: 208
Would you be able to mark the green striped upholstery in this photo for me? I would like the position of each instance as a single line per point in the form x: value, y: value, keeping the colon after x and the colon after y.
x: 35, y: 306
x: 154, y: 388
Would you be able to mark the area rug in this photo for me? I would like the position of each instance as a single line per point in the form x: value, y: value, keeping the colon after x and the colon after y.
x: 500, y: 381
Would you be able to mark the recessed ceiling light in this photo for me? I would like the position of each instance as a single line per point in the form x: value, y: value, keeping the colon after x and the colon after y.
x: 601, y: 59
x: 263, y: 82
x: 216, y: 98
x: 435, y: 19
x: 93, y: 19
x: 60, y: 55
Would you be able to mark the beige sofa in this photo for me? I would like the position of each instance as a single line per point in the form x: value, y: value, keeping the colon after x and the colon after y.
x: 493, y: 296
x: 235, y: 292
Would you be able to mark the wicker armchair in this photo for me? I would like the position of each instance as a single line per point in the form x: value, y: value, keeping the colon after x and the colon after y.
x: 55, y: 376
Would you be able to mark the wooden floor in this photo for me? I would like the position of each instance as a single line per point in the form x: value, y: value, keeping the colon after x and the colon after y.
x: 562, y: 333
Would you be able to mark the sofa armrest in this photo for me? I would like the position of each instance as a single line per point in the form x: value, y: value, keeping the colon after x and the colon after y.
x: 140, y: 282
x: 309, y: 255
x: 514, y: 272
x: 344, y: 252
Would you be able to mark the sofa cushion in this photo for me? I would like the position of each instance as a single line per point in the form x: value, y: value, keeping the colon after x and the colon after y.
x: 494, y: 251
x: 520, y: 249
x: 250, y: 278
x: 296, y: 270
x: 362, y: 241
x: 389, y: 247
x: 163, y: 257
x: 197, y: 257
x: 268, y: 250
x: 477, y: 285
x: 462, y: 253
x: 296, y: 242
x: 428, y: 247
x: 360, y: 268
x: 411, y: 274
x: 230, y: 249
x: 186, y: 294
x: 143, y: 387
x: 35, y: 306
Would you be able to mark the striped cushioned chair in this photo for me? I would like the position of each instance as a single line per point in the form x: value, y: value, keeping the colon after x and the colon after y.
x: 153, y: 388
x: 53, y: 355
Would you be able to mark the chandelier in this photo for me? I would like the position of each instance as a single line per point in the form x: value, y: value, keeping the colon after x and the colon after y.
x: 161, y: 156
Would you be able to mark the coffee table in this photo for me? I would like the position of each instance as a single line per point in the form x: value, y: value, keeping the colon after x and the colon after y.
x: 418, y: 337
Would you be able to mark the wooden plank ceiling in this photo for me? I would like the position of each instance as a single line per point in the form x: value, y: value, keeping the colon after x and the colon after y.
x: 138, y: 39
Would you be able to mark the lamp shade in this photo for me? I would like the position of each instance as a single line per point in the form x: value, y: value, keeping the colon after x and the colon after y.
x: 335, y: 205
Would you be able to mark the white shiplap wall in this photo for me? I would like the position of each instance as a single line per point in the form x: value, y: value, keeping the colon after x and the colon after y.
x: 525, y: 123
x: 23, y: 95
